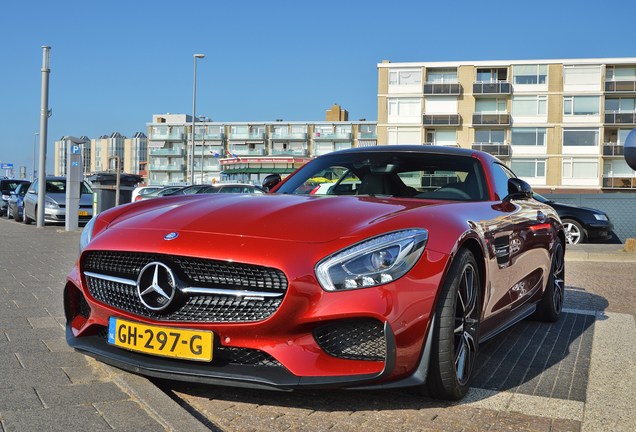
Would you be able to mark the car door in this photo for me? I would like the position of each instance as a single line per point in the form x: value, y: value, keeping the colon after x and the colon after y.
x: 30, y: 200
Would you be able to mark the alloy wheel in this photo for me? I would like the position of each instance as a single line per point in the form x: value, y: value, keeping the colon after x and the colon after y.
x: 558, y: 272
x: 572, y: 233
x: 466, y: 324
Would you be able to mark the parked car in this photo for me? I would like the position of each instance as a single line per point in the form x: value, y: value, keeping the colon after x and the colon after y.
x: 232, y: 188
x: 159, y: 193
x: 143, y: 190
x: 581, y: 224
x: 392, y: 281
x: 6, y: 187
x: 15, y: 204
x: 190, y: 190
x: 55, y: 201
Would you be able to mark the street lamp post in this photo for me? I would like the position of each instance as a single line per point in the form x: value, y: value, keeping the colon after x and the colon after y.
x: 44, y: 118
x: 35, y: 142
x: 194, y: 116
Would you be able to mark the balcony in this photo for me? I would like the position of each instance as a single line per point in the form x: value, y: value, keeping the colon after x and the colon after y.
x: 247, y: 136
x: 485, y: 119
x: 612, y: 149
x: 612, y: 182
x: 500, y: 150
x: 166, y: 136
x: 289, y: 136
x: 442, y: 89
x: 242, y: 151
x: 620, y: 86
x: 442, y: 120
x: 616, y: 117
x: 332, y: 136
x: 166, y: 152
x: 367, y: 135
x: 171, y: 168
x: 499, y: 87
x: 289, y: 152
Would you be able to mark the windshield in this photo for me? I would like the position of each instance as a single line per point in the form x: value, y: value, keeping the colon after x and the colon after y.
x: 397, y: 174
x: 59, y: 186
x: 540, y: 198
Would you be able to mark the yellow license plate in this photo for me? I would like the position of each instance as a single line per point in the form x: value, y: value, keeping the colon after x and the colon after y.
x: 162, y: 341
x: 83, y: 213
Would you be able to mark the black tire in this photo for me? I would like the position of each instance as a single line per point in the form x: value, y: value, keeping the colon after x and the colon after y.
x: 26, y: 219
x: 550, y: 306
x: 456, y: 331
x: 574, y: 232
x: 9, y: 214
x: 17, y: 218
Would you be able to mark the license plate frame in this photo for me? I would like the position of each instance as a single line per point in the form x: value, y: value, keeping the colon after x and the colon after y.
x: 83, y: 213
x: 162, y: 341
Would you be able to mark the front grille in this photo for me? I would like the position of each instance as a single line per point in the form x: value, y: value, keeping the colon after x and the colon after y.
x: 354, y: 339
x: 193, y: 272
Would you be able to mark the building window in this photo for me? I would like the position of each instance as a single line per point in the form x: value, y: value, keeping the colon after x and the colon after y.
x: 528, y: 168
x: 529, y: 105
x: 528, y: 136
x: 530, y: 74
x: 441, y: 105
x: 574, y: 168
x: 491, y: 75
x: 490, y: 136
x: 405, y: 77
x: 407, y: 110
x: 580, y: 137
x: 581, y: 75
x: 441, y: 137
x: 620, y: 73
x: 441, y: 76
x: 490, y: 106
x: 581, y: 105
x: 404, y: 136
x: 620, y: 104
x: 617, y: 168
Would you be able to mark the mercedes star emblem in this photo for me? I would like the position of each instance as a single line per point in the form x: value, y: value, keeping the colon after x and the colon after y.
x: 156, y: 286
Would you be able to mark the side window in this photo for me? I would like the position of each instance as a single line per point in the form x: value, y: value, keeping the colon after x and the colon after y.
x: 501, y: 176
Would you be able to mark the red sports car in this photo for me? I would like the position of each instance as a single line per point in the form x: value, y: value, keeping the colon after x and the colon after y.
x: 391, y: 276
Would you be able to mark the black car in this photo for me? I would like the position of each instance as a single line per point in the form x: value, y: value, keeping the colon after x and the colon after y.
x: 581, y: 223
x: 7, y: 186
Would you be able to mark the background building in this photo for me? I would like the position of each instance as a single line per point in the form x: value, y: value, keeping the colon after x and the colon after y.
x: 560, y: 124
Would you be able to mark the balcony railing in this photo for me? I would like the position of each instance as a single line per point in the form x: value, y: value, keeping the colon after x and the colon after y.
x: 367, y: 135
x: 255, y: 136
x: 616, y: 117
x: 166, y: 152
x: 620, y: 86
x: 290, y: 152
x: 611, y: 149
x: 491, y: 119
x: 442, y: 120
x: 300, y: 136
x: 619, y: 182
x: 248, y: 152
x: 332, y: 136
x: 154, y: 167
x: 442, y: 89
x: 167, y: 136
x: 495, y: 149
x: 500, y: 87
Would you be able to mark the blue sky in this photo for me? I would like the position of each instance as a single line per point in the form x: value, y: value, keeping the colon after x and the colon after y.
x: 116, y: 63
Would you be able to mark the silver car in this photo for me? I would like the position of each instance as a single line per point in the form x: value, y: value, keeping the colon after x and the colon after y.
x: 55, y: 201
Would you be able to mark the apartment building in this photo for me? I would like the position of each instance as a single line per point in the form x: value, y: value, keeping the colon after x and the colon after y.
x: 245, y: 151
x: 559, y: 124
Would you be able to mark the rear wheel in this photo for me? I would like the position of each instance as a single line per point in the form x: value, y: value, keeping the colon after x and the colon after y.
x: 9, y: 213
x: 456, y: 332
x: 574, y: 232
x: 549, y: 308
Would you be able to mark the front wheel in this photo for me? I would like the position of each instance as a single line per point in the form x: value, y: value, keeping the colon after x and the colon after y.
x: 574, y: 232
x: 549, y: 308
x: 456, y: 331
x: 9, y: 212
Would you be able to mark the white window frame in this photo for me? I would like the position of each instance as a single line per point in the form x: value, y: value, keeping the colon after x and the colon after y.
x: 536, y: 180
x: 568, y: 178
x: 404, y: 110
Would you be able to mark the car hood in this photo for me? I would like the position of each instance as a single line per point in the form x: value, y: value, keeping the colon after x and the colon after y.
x: 299, y: 218
x: 561, y: 206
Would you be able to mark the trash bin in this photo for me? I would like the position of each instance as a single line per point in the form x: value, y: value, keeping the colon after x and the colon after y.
x: 105, y: 189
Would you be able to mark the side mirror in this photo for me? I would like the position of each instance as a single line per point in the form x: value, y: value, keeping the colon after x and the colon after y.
x: 271, y: 181
x: 518, y: 189
x: 630, y: 149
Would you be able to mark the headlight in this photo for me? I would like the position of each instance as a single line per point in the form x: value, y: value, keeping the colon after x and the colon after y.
x: 601, y: 217
x: 49, y: 203
x: 373, y: 262
x: 87, y: 234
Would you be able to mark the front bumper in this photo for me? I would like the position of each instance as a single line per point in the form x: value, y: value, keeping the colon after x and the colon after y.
x: 599, y: 230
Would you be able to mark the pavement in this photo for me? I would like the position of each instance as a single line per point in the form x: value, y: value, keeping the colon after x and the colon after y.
x: 45, y: 385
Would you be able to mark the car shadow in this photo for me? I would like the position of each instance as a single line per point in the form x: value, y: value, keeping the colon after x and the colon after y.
x: 521, y: 359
